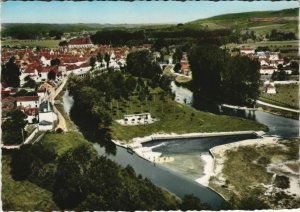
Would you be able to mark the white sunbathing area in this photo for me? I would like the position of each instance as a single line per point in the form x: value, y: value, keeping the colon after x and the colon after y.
x: 137, y: 119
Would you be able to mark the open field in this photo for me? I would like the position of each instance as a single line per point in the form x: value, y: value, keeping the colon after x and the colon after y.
x: 173, y: 117
x: 283, y: 20
x: 271, y: 44
x: 32, y: 43
x: 287, y: 48
x: 286, y: 96
x: 23, y: 195
x: 245, y: 174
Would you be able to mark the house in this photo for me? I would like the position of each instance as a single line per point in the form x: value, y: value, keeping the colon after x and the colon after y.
x: 245, y: 51
x: 80, y: 43
x: 31, y: 114
x: 28, y: 101
x: 47, y: 116
x: 270, y: 88
x: 267, y: 70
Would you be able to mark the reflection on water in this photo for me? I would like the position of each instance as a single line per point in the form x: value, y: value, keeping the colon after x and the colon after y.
x: 280, y: 126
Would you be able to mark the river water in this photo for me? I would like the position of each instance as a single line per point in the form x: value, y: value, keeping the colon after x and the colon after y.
x: 179, y: 176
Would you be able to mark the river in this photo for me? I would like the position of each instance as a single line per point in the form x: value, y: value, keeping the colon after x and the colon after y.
x: 179, y: 176
x: 279, y: 126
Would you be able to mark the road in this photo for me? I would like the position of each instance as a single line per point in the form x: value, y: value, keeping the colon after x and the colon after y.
x: 277, y: 107
x: 61, y: 120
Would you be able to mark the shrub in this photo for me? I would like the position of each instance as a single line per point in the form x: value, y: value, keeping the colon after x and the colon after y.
x: 59, y: 130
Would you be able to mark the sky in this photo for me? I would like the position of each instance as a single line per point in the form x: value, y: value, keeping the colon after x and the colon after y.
x: 116, y: 12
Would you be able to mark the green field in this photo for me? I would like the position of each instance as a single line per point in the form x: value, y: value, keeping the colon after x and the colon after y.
x: 245, y: 171
x: 286, y: 96
x: 285, y: 22
x: 174, y: 117
x: 32, y: 43
x: 23, y: 195
x: 271, y: 44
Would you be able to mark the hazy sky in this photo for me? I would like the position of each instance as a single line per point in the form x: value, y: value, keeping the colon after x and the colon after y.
x: 128, y: 12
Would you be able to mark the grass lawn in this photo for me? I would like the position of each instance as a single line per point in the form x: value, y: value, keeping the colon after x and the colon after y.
x: 32, y: 43
x: 63, y: 142
x: 174, y: 117
x: 245, y: 170
x: 23, y: 195
x: 286, y: 96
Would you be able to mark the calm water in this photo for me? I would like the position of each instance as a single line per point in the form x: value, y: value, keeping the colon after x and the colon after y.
x: 280, y: 126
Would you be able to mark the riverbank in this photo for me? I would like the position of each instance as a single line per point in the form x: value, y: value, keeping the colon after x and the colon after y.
x: 241, y: 170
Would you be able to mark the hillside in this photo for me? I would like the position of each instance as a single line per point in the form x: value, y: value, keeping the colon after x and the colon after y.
x: 260, y: 22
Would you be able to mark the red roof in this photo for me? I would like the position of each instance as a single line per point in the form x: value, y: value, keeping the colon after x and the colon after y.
x: 27, y: 98
x: 9, y: 99
x: 267, y: 67
x: 80, y: 41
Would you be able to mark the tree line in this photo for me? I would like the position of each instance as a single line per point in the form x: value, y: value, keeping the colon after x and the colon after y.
x: 280, y: 35
x: 221, y: 78
x: 80, y: 180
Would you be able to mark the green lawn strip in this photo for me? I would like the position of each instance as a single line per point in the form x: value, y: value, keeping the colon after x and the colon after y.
x: 286, y: 96
x: 63, y: 142
x: 174, y: 118
x: 32, y: 43
x: 23, y: 195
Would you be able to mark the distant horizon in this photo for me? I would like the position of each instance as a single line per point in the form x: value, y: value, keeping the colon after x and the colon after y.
x: 129, y: 13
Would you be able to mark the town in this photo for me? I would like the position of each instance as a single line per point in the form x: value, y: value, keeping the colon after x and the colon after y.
x: 117, y: 116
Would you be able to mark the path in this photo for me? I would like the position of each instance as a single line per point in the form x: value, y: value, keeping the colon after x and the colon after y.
x: 277, y: 107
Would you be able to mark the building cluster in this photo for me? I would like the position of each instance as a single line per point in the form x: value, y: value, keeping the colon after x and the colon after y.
x: 38, y: 64
x: 270, y: 62
x: 185, y: 67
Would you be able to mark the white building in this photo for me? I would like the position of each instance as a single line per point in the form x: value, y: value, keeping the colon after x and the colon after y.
x: 47, y: 116
x: 28, y: 101
x: 267, y: 70
x: 247, y: 51
x: 137, y: 119
x: 270, y: 88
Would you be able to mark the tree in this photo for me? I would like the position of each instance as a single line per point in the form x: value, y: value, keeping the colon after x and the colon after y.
x: 13, y: 128
x: 177, y: 67
x: 92, y: 62
x: 218, y: 77
x: 99, y: 57
x: 207, y: 63
x: 55, y: 62
x: 11, y: 73
x: 51, y: 75
x: 63, y: 43
x: 107, y: 59
x: 30, y: 84
x: 240, y: 81
x: 177, y: 55
x: 70, y: 177
x: 190, y: 202
x: 29, y: 160
x: 130, y: 84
